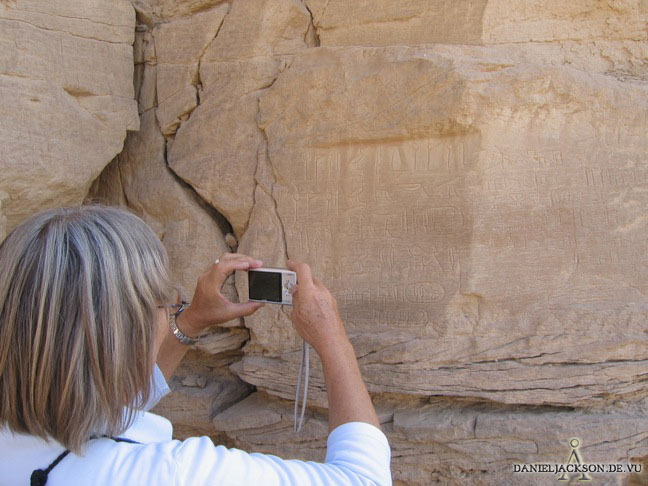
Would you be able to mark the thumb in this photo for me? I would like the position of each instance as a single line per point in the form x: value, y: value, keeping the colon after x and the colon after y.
x: 293, y: 289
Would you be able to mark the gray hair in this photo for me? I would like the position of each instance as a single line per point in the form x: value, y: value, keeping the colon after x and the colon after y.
x: 78, y: 314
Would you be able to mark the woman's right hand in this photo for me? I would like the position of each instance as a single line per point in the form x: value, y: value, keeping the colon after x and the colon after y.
x: 315, y: 314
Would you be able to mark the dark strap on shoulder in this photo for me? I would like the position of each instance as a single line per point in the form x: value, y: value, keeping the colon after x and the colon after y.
x: 122, y: 439
x: 39, y: 476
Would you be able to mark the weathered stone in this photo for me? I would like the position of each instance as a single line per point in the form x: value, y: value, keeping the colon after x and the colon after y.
x: 451, y: 442
x: 560, y: 21
x: 483, y: 444
x: 67, y: 95
x: 194, y: 381
x: 414, y: 22
x: 260, y: 424
x: 216, y: 150
x: 263, y: 240
x: 201, y: 389
x: 250, y: 413
x: 398, y: 173
x: 475, y: 203
x: 173, y: 211
x: 220, y: 340
x: 180, y: 46
x: 402, y: 207
x: 3, y: 220
x: 256, y: 28
x: 379, y: 23
x: 152, y: 11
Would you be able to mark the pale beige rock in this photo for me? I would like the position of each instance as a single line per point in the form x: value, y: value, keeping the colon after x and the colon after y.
x: 383, y: 22
x: 152, y: 11
x: 483, y: 444
x: 192, y: 237
x: 554, y: 20
x: 216, y: 152
x: 201, y: 389
x: 401, y: 208
x: 67, y: 96
x: 261, y: 424
x: 217, y: 149
x: 220, y: 340
x: 450, y: 442
x: 413, y: 22
x: 263, y: 241
x: 180, y: 46
x: 224, y: 80
x: 250, y: 413
x: 474, y: 202
x: 148, y: 89
x: 256, y: 28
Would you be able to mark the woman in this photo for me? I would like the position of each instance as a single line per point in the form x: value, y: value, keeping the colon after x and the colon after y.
x: 85, y: 314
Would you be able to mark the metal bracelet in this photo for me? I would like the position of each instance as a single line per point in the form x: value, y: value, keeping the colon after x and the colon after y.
x: 181, y: 336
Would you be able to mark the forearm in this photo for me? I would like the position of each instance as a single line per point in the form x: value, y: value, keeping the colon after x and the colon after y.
x: 348, y: 398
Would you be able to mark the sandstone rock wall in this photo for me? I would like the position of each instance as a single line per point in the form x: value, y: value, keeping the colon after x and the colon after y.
x: 468, y: 177
x: 66, y: 96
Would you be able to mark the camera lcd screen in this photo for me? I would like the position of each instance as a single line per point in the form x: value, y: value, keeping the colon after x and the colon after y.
x: 265, y: 285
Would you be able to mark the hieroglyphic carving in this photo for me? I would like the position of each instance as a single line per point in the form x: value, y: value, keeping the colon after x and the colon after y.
x: 390, y: 225
x: 559, y: 209
x: 384, y: 223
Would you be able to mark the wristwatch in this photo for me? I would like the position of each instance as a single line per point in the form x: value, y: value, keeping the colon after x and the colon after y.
x: 181, y: 336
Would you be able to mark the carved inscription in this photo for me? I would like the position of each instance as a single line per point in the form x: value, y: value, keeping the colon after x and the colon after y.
x: 399, y: 229
x: 558, y: 213
x: 385, y: 224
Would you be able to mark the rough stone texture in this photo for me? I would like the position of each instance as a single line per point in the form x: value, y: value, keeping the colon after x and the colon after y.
x: 217, y: 149
x: 193, y: 233
x: 142, y: 181
x: 154, y: 11
x: 202, y: 388
x: 450, y: 442
x: 66, y: 93
x: 469, y: 179
x: 179, y: 47
x: 413, y: 22
x: 472, y: 194
x: 404, y: 219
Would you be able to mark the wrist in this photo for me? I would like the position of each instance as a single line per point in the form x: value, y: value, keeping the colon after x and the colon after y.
x: 185, y: 323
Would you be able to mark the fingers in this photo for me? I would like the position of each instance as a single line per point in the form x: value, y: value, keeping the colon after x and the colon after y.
x: 302, y: 270
x: 226, y: 257
x: 230, y: 262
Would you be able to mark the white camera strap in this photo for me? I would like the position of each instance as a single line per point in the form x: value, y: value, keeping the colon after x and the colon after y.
x: 304, y: 358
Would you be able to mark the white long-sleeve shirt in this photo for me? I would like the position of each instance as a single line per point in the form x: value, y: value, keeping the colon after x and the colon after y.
x: 357, y: 454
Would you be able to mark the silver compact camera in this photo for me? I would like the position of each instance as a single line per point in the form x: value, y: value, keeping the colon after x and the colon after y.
x: 271, y: 285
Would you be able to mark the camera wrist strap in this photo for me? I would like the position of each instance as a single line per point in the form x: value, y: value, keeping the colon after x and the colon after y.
x: 304, y: 359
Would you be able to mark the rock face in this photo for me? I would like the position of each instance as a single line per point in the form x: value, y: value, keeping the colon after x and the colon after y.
x: 471, y: 193
x: 193, y: 233
x: 404, y: 204
x: 469, y: 178
x: 66, y: 93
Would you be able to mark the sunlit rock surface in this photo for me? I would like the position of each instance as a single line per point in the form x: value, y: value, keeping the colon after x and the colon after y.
x: 469, y: 178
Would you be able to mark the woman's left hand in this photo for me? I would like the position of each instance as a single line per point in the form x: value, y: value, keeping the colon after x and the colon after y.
x: 209, y: 307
